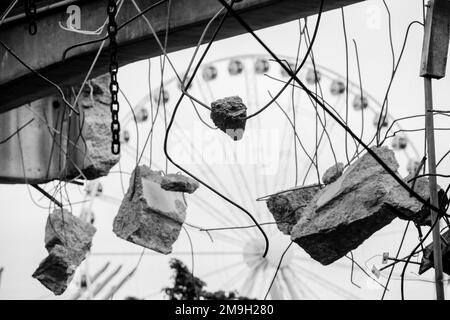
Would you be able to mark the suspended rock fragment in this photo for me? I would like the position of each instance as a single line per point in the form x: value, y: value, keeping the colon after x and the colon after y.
x: 179, y: 183
x: 150, y: 216
x: 228, y: 115
x: 341, y: 216
x: 333, y: 173
x: 428, y: 259
x: 92, y: 150
x: 288, y: 206
x: 67, y: 240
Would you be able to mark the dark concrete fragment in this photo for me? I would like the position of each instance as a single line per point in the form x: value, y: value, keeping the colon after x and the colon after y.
x: 286, y: 207
x: 67, y: 239
x: 228, y: 115
x: 179, y: 183
x: 428, y: 259
x: 333, y: 173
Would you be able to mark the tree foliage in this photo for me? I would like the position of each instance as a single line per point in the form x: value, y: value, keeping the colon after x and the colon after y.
x: 188, y: 287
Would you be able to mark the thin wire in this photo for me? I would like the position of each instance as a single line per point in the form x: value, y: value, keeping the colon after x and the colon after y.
x: 172, y: 121
x: 369, y: 150
x: 17, y: 131
x: 40, y: 76
x: 118, y: 29
x: 396, y: 257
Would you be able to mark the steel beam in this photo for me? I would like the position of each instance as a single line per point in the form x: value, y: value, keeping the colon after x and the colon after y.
x: 44, y: 51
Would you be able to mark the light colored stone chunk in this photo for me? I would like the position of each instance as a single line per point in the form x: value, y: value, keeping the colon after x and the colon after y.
x: 150, y: 216
x: 341, y: 216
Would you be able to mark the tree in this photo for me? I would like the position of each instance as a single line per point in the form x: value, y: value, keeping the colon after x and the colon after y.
x: 188, y: 287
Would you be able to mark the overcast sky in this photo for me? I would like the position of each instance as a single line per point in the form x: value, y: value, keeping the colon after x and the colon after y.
x: 22, y: 222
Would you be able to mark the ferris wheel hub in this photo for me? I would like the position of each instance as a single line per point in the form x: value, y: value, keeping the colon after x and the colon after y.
x: 278, y: 243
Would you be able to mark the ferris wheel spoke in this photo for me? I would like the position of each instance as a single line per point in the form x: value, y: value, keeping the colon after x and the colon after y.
x: 240, y: 178
x: 297, y: 137
x: 217, y: 215
x: 325, y: 282
x: 276, y: 292
x: 221, y: 270
x: 304, y: 285
x: 225, y: 238
x: 296, y: 292
x: 249, y: 282
x: 236, y: 278
x: 288, y: 281
x: 199, y: 88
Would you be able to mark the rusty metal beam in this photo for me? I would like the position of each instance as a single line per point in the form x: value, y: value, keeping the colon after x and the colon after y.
x: 44, y: 51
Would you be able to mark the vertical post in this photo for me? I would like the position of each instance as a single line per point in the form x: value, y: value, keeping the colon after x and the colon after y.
x: 433, y: 66
x: 434, y: 200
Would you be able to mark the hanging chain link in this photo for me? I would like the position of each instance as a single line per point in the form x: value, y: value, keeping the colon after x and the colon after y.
x: 114, y: 85
x: 31, y: 14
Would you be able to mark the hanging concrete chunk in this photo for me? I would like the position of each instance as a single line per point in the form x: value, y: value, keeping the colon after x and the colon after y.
x: 180, y: 183
x: 56, y: 144
x: 333, y: 173
x: 92, y: 150
x: 228, y: 115
x: 428, y: 259
x: 67, y: 240
x: 341, y: 216
x: 150, y: 216
x: 422, y: 216
x: 286, y: 207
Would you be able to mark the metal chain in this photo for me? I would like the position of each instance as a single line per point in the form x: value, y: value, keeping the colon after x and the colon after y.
x: 31, y: 14
x: 114, y: 85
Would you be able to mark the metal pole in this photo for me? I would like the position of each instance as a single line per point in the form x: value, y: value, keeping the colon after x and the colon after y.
x: 429, y: 132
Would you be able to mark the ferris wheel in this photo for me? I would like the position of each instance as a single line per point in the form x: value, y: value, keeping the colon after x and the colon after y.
x: 289, y: 144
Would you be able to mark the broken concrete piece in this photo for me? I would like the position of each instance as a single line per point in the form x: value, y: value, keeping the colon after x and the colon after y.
x: 341, y: 216
x: 285, y: 206
x: 150, y: 216
x: 179, y: 183
x: 56, y: 271
x: 418, y: 213
x: 333, y: 173
x: 67, y: 239
x: 92, y: 150
x: 428, y: 258
x: 228, y: 115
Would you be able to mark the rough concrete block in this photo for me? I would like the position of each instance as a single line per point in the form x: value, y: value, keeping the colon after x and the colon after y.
x: 54, y: 144
x: 150, y: 216
x: 67, y: 239
x: 92, y: 150
x: 341, y: 216
x: 227, y: 114
x: 286, y: 207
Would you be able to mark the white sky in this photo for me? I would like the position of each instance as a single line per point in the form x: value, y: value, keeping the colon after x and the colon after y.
x: 22, y: 223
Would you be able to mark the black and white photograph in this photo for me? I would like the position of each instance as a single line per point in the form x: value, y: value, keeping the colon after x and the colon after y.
x: 224, y: 156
